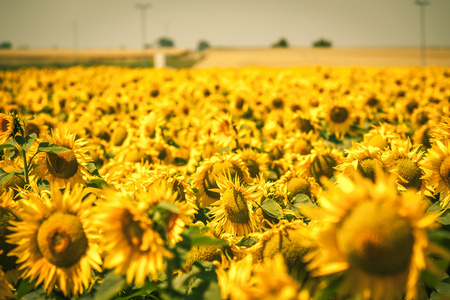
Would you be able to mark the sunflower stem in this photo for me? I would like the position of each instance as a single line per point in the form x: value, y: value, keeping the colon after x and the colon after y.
x: 25, y: 166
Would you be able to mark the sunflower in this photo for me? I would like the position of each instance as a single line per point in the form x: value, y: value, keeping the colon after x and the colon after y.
x: 403, y: 160
x: 7, y: 127
x: 61, y: 169
x: 204, y: 179
x: 17, y: 181
x: 441, y: 131
x: 364, y: 160
x: 244, y: 279
x: 223, y: 131
x: 320, y: 163
x: 295, y: 182
x: 339, y: 117
x: 132, y: 246
x: 57, y: 241
x: 293, y: 240
x: 436, y: 165
x: 372, y: 236
x: 256, y: 162
x: 234, y: 212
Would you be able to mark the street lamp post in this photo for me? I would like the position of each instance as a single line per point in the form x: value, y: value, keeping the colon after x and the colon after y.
x: 422, y: 4
x: 143, y: 8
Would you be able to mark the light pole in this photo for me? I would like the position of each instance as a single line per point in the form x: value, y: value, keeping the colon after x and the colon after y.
x: 422, y: 4
x: 143, y: 8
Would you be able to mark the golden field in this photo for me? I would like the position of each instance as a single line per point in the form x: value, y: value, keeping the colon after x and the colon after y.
x: 309, y: 182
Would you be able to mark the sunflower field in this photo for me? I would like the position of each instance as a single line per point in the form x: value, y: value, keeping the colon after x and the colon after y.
x: 241, y: 183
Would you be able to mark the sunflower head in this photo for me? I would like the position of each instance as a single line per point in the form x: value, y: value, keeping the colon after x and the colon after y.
x: 61, y: 239
x: 376, y: 239
x: 7, y: 214
x: 293, y: 242
x: 409, y: 172
x: 322, y: 166
x: 62, y: 165
x: 368, y: 167
x: 297, y: 186
x: 8, y: 126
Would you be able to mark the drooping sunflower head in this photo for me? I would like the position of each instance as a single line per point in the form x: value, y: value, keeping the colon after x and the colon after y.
x: 436, y: 165
x: 62, y: 168
x: 379, y: 137
x: 441, y: 130
x: 293, y: 241
x: 57, y: 241
x: 7, y: 127
x: 256, y: 162
x: 321, y: 163
x: 372, y: 235
x: 234, y: 212
x: 223, y: 131
x: 204, y: 178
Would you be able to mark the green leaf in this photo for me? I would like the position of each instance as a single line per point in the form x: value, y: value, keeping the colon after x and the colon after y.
x: 26, y: 142
x: 24, y: 287
x: 302, y: 199
x: 24, y: 120
x: 147, y: 289
x: 247, y: 242
x: 195, y: 190
x: 92, y: 168
x: 445, y: 218
x: 51, y: 148
x: 10, y: 144
x: 443, y: 288
x: 179, y: 161
x: 111, y: 285
x: 172, y: 207
x: 4, y: 177
x: 193, y: 236
x: 271, y: 208
x: 36, y: 295
x: 98, y: 183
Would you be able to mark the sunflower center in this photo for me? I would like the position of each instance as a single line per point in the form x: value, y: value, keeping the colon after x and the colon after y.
x: 235, y: 206
x: 368, y: 166
x: 4, y: 125
x: 6, y: 262
x: 61, y: 239
x: 32, y: 128
x: 62, y: 165
x: 210, y: 178
x: 375, y: 239
x: 338, y: 114
x: 322, y: 165
x: 297, y: 186
x: 131, y: 230
x: 293, y: 246
x: 410, y: 173
x: 444, y: 171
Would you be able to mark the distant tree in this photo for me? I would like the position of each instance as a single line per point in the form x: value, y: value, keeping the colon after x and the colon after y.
x: 202, y: 45
x: 6, y: 45
x: 322, y: 43
x: 282, y: 43
x: 166, y: 42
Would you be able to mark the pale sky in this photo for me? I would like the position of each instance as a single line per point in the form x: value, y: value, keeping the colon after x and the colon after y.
x: 233, y: 23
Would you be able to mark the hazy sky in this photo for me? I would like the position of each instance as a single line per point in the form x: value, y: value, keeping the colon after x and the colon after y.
x: 246, y: 23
